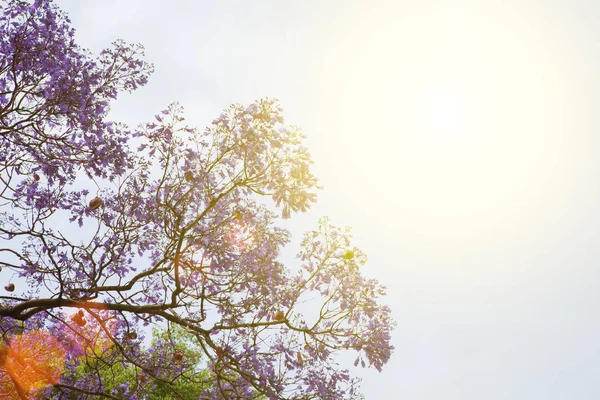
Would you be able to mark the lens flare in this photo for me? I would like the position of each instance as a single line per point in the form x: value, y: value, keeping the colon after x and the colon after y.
x: 30, y: 363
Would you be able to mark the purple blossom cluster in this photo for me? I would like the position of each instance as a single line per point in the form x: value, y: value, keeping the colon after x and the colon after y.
x: 107, y: 230
x: 54, y: 96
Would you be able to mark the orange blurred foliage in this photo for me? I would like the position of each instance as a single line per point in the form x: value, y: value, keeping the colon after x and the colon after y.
x: 28, y: 363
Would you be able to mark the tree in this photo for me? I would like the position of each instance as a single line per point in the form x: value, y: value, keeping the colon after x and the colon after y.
x: 187, y: 386
x: 106, y: 230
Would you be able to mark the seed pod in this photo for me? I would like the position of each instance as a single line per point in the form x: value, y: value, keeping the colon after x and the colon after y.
x: 10, y: 287
x: 78, y: 319
x: 279, y: 316
x: 95, y: 203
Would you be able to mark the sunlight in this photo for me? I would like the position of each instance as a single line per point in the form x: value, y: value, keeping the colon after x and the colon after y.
x: 241, y: 235
x: 454, y: 131
x: 443, y: 112
x: 30, y: 363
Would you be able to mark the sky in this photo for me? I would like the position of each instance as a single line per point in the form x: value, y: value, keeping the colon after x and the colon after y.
x: 458, y: 139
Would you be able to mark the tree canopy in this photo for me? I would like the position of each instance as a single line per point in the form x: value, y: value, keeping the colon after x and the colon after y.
x: 105, y: 230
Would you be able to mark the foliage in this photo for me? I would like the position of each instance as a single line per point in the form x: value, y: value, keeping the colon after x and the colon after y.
x: 116, y: 376
x: 28, y: 363
x: 105, y: 230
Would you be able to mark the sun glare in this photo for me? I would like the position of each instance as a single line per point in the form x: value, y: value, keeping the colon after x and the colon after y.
x: 452, y: 132
x: 241, y: 235
x: 443, y: 112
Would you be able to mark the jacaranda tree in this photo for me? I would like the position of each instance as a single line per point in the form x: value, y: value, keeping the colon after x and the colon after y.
x: 106, y: 230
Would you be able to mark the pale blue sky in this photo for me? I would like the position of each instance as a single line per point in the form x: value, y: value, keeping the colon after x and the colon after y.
x: 459, y: 141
